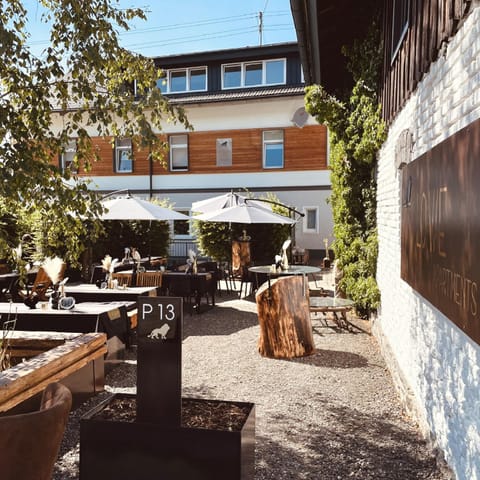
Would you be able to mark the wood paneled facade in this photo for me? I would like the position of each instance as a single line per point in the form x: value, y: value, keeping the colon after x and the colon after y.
x: 430, y: 24
x: 305, y: 149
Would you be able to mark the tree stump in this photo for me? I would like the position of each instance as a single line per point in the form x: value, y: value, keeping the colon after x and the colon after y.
x: 240, y: 256
x: 284, y: 318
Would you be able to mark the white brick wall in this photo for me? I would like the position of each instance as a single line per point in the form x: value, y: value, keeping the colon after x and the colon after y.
x: 436, y: 366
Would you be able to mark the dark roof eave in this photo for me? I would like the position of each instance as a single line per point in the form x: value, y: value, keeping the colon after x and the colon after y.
x: 305, y: 17
x: 229, y: 96
x: 238, y: 96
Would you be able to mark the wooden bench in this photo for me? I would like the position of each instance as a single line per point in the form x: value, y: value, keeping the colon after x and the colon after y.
x: 51, y: 357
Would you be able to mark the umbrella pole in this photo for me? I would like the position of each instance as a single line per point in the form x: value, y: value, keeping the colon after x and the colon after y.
x: 149, y: 241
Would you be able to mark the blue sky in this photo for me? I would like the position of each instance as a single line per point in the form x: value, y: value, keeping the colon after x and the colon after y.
x: 184, y: 26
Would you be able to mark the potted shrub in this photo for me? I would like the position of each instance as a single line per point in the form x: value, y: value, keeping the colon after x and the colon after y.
x: 157, y: 433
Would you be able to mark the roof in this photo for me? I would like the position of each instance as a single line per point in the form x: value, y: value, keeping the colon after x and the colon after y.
x: 237, y: 94
x: 231, y: 54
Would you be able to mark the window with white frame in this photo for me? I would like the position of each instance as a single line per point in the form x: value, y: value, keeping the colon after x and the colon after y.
x: 183, y: 80
x: 123, y: 155
x: 67, y: 156
x: 310, y: 220
x: 178, y: 152
x: 253, y: 74
x: 273, y: 149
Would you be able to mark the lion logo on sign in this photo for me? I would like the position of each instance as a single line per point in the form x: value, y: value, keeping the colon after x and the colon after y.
x: 159, y: 333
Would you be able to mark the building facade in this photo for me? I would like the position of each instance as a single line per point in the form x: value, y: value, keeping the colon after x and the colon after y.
x: 428, y: 268
x: 250, y: 134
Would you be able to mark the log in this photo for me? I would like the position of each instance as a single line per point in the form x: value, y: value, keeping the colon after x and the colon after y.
x: 284, y: 318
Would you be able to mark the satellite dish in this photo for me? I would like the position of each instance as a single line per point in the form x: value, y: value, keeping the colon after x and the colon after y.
x: 300, y: 117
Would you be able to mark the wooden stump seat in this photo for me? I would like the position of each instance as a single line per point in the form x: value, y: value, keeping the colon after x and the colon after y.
x: 284, y: 318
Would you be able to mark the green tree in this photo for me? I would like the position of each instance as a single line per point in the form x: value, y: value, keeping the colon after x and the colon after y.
x: 356, y: 134
x: 81, y: 85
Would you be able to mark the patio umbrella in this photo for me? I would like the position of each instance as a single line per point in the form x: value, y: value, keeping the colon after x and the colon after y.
x: 244, y: 213
x: 225, y: 200
x: 132, y: 208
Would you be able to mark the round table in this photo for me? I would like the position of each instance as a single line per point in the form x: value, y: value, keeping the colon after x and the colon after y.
x: 292, y: 270
x: 334, y: 305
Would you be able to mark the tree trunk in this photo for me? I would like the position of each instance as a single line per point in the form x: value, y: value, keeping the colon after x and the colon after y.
x: 284, y: 318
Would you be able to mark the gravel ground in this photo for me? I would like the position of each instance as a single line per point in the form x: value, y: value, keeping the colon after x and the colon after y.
x: 332, y: 415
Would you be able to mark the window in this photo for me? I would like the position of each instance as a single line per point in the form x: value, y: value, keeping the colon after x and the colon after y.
x: 251, y: 74
x: 178, y: 81
x: 123, y: 155
x: 400, y: 22
x: 183, y: 80
x: 273, y: 149
x: 232, y: 76
x: 68, y: 155
x: 198, y: 79
x: 310, y: 220
x: 178, y: 152
x: 182, y: 227
x: 274, y: 72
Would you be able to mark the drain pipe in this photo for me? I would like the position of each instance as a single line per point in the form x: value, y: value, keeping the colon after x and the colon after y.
x: 150, y: 175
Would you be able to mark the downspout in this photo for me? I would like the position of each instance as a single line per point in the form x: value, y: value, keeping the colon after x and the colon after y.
x: 305, y: 17
x: 150, y: 175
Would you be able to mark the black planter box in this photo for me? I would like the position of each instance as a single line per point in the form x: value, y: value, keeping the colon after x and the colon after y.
x: 119, y: 450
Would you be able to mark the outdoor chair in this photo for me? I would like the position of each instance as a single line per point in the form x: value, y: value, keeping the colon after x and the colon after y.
x: 123, y: 279
x: 40, y: 285
x: 213, y: 268
x: 149, y: 279
x: 250, y: 281
x: 29, y: 442
x: 181, y: 286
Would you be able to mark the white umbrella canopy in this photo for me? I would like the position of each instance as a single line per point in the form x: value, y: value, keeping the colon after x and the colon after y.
x: 132, y: 208
x: 244, y: 213
x: 225, y: 200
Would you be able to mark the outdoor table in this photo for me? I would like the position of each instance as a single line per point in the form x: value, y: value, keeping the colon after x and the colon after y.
x: 334, y: 305
x: 9, y: 282
x: 7, y: 279
x: 87, y: 292
x: 201, y: 283
x: 198, y: 284
x: 108, y: 317
x: 98, y: 273
x: 271, y: 272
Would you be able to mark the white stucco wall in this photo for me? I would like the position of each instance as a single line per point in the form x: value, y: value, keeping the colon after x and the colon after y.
x: 431, y: 359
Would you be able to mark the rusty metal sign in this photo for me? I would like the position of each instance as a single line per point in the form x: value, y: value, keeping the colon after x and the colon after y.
x: 441, y: 228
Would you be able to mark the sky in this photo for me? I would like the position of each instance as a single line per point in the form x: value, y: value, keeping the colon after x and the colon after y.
x: 188, y: 26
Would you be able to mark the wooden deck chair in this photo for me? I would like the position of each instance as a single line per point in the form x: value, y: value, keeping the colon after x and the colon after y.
x: 42, y: 283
